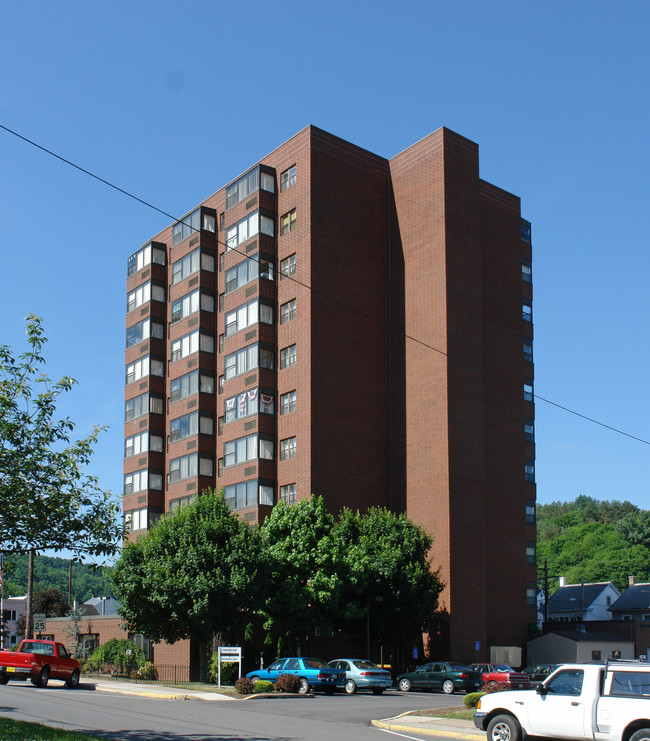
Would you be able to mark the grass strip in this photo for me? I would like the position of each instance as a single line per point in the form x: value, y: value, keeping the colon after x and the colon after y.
x: 20, y: 730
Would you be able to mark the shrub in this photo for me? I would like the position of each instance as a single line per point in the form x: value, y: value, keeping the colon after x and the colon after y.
x: 496, y: 687
x: 471, y: 699
x: 263, y: 685
x: 147, y: 671
x: 244, y: 686
x: 287, y: 683
x: 119, y: 652
x: 228, y: 670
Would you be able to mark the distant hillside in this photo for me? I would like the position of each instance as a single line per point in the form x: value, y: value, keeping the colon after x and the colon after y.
x: 53, y: 572
x: 597, y: 541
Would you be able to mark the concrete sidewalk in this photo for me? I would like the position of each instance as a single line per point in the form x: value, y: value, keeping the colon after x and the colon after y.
x: 421, y: 725
x: 160, y: 692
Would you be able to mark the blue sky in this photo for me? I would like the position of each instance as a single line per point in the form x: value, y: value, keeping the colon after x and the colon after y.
x: 171, y: 101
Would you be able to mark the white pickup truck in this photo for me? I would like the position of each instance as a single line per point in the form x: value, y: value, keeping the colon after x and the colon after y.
x: 600, y: 702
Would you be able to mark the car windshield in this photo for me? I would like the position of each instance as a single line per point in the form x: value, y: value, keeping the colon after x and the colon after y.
x: 365, y: 665
x: 459, y: 668
x: 314, y: 663
x: 502, y: 668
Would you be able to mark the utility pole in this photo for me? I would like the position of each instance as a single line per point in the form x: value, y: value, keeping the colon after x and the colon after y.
x: 29, y: 621
x: 545, y: 591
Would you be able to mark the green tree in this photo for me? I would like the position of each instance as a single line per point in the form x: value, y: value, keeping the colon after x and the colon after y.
x: 47, y: 499
x: 386, y: 557
x: 191, y: 576
x: 304, y: 580
x: 49, y: 601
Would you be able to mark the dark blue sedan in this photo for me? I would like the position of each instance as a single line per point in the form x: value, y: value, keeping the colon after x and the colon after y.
x: 314, y: 674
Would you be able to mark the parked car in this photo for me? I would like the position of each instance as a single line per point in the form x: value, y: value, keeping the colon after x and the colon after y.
x: 447, y: 676
x: 313, y: 673
x: 361, y: 674
x: 538, y: 672
x: 494, y: 674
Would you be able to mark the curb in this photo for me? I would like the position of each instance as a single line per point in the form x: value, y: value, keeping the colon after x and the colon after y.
x: 420, y: 730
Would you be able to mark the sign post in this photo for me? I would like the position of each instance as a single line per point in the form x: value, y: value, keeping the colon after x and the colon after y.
x: 230, y: 654
x: 39, y: 622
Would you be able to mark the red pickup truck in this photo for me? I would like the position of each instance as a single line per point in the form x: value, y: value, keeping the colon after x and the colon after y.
x: 39, y: 661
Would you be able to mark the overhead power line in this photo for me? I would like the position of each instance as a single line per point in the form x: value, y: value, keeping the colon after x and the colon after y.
x: 295, y: 280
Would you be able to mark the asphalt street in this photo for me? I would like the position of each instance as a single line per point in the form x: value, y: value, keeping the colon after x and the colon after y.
x: 122, y: 717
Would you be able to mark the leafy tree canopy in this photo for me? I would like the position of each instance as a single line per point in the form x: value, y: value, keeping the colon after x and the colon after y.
x: 191, y: 576
x: 597, y: 541
x: 49, y: 601
x: 46, y: 498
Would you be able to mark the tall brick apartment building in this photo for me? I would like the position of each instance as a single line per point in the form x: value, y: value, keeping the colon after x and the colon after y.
x: 361, y: 328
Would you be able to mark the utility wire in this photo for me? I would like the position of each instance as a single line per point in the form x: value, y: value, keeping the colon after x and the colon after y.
x: 295, y: 280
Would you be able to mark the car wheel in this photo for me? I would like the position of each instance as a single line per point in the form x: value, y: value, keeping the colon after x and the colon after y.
x: 350, y: 687
x: 4, y: 679
x: 643, y: 734
x: 304, y: 686
x: 404, y: 685
x: 255, y: 679
x: 73, y: 680
x: 492, y: 684
x: 448, y: 687
x: 43, y: 677
x: 329, y: 690
x: 503, y: 728
x: 378, y: 690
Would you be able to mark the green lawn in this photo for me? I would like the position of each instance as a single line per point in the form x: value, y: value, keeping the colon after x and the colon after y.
x: 18, y: 730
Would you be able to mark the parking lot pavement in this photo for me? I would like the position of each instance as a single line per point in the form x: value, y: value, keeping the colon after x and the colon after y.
x: 423, y: 725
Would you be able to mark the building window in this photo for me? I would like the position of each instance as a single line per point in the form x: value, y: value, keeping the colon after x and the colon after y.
x: 288, y: 311
x: 141, y: 405
x: 288, y: 494
x: 190, y: 344
x: 288, y: 402
x: 136, y: 519
x: 141, y: 443
x: 247, y: 359
x: 287, y: 448
x: 186, y: 426
x: 247, y: 494
x: 248, y: 448
x: 526, y: 271
x: 288, y: 178
x: 182, y: 468
x: 288, y: 356
x: 186, y: 227
x: 191, y: 264
x: 528, y: 390
x: 247, y: 315
x: 142, y: 331
x: 529, y: 471
x: 146, y: 256
x: 247, y: 184
x: 288, y: 221
x: 248, y: 270
x: 288, y: 266
x: 181, y: 502
x: 530, y: 511
x: 247, y: 228
x: 136, y: 481
x: 527, y: 311
x: 142, y: 368
x: 190, y: 304
x: 248, y: 403
x: 528, y: 351
x: 531, y: 594
x: 529, y: 430
x: 190, y: 384
x: 526, y: 231
x: 143, y: 294
x: 531, y: 553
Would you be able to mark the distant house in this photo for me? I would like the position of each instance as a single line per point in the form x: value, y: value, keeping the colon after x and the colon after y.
x: 581, y: 602
x: 13, y: 608
x: 633, y: 604
x: 578, y: 646
x: 100, y: 606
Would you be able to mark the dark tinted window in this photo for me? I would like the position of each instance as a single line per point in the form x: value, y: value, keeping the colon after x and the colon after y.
x: 631, y: 684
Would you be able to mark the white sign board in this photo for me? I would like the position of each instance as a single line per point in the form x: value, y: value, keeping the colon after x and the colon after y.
x: 229, y: 654
x: 39, y: 621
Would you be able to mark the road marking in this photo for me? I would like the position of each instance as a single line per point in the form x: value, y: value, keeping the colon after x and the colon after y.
x: 403, y: 735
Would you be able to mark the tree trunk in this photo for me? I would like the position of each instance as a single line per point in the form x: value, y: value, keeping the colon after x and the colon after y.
x: 29, y: 618
x: 203, y: 662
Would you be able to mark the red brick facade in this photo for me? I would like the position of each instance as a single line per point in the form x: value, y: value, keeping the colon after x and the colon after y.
x: 404, y: 350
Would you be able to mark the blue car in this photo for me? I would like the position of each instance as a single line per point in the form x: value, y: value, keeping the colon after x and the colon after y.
x: 314, y: 674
